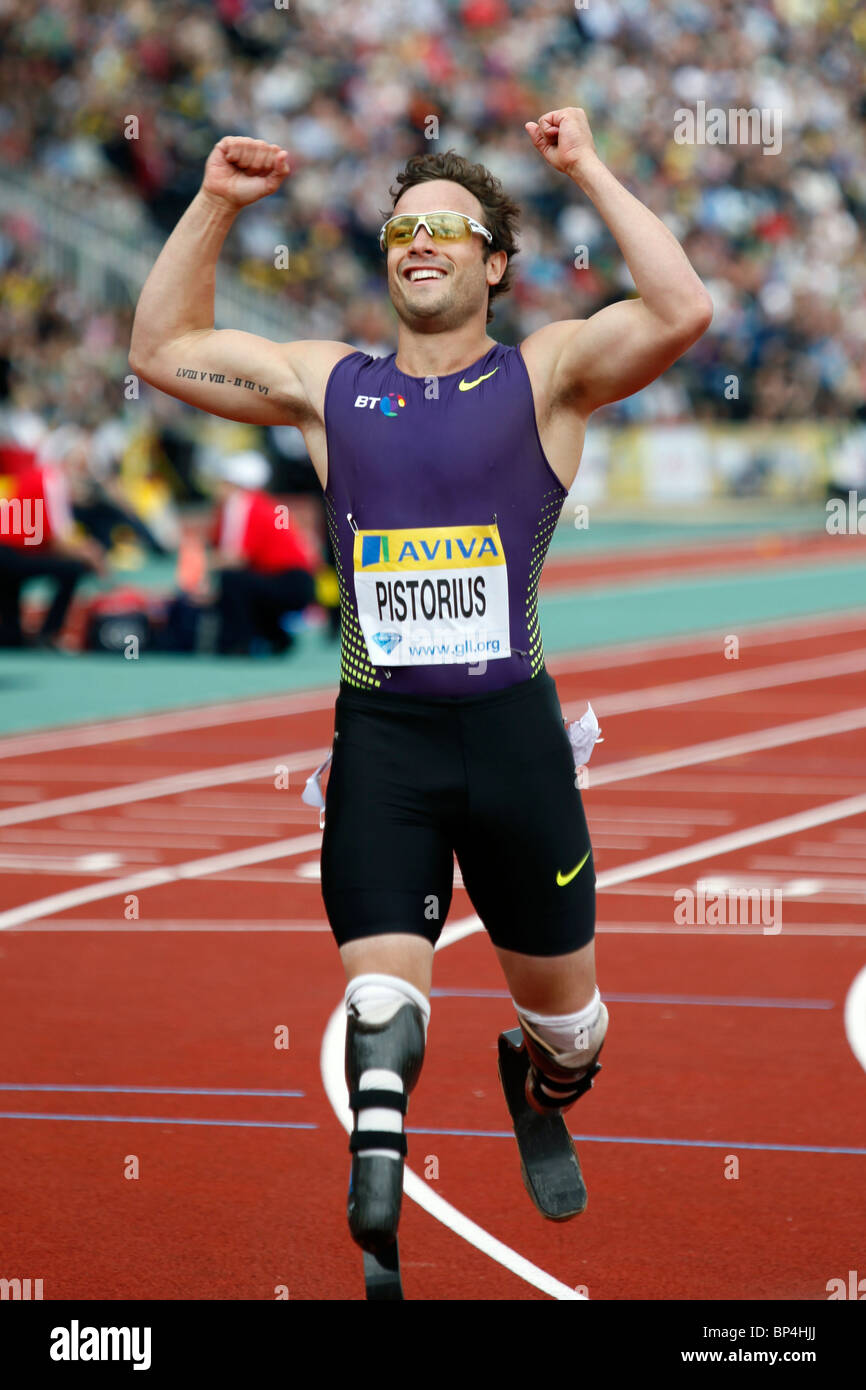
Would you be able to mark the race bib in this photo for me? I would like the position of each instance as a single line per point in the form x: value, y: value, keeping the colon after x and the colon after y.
x: 432, y: 595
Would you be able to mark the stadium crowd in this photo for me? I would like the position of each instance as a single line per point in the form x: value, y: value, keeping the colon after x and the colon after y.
x: 350, y: 89
x: 114, y: 110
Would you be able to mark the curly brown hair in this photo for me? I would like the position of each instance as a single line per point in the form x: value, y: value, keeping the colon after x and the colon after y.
x: 499, y: 214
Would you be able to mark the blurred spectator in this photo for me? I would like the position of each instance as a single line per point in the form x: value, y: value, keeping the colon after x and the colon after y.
x: 98, y: 504
x: 37, y: 541
x: 264, y: 563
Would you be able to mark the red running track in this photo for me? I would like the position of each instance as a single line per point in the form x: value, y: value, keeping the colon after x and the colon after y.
x: 769, y: 550
x: 726, y: 1043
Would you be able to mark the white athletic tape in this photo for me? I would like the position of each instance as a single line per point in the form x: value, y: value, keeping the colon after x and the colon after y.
x: 583, y: 735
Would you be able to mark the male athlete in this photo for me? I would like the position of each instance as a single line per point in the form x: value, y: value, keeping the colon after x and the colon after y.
x: 444, y: 468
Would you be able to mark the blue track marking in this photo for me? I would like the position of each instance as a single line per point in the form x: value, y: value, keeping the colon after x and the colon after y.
x: 143, y: 1090
x: 712, y: 1000
x: 156, y: 1120
x: 730, y: 1144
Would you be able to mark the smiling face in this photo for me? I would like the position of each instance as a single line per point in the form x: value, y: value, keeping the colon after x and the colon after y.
x: 439, y: 285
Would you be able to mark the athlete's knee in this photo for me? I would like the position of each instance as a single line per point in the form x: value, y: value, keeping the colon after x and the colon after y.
x: 386, y: 1032
x: 563, y: 1051
x: 386, y: 1035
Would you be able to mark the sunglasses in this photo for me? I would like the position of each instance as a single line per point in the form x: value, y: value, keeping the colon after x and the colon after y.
x: 441, y: 226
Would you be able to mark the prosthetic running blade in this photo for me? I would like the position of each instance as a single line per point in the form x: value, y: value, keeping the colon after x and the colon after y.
x: 548, y: 1161
x: 382, y: 1274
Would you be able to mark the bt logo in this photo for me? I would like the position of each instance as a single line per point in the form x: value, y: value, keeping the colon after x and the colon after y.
x: 387, y: 404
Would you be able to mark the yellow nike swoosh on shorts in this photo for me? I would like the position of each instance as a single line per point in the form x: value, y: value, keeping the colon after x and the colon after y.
x: 562, y: 879
x: 468, y: 385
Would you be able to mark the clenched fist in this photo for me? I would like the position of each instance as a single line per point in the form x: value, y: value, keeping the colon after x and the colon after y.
x: 564, y: 139
x: 241, y: 171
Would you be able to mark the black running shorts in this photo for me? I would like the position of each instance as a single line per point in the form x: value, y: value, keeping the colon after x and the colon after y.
x: 490, y: 778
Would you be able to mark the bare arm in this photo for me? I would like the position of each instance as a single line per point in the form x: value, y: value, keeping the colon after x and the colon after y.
x: 174, y: 343
x: 625, y: 346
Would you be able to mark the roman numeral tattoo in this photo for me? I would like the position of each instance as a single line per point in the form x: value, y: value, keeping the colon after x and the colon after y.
x: 220, y: 379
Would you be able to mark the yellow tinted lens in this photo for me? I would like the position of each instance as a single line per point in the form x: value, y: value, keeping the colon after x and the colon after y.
x: 399, y: 233
x: 444, y: 226
x: 447, y: 226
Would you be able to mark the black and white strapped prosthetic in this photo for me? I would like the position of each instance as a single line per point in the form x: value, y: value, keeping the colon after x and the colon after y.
x: 563, y: 1051
x: 386, y: 1034
x: 545, y: 1065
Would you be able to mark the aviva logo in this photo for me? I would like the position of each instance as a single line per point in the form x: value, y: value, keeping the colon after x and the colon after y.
x: 428, y: 548
x: 374, y: 549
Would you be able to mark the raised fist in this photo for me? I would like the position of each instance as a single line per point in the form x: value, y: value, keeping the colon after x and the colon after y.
x: 240, y: 170
x: 563, y: 138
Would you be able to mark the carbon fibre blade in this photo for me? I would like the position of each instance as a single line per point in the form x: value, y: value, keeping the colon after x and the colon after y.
x: 382, y: 1274
x: 548, y: 1160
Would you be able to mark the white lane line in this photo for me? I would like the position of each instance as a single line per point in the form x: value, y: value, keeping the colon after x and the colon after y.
x: 183, y: 812
x: 94, y: 862
x: 661, y: 815
x: 737, y: 839
x: 163, y: 786
x: 791, y: 929
x: 789, y: 880
x: 100, y: 924
x: 752, y: 784
x: 104, y: 924
x: 155, y: 878
x: 195, y: 836
x: 825, y: 726
x: 311, y: 870
x: 855, y: 1017
x: 257, y: 854
x: 832, y: 851
x: 303, y: 702
x: 607, y: 840
x: 237, y: 803
x: 167, y: 722
x: 733, y: 682
x: 776, y: 737
x: 259, y: 876
x: 811, y: 864
x: 333, y: 1078
x: 109, y: 838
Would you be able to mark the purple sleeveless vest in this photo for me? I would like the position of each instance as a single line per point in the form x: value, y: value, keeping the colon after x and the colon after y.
x: 440, y: 504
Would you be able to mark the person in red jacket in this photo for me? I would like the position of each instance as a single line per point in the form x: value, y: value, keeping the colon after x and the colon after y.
x: 264, y: 562
x: 37, y: 542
